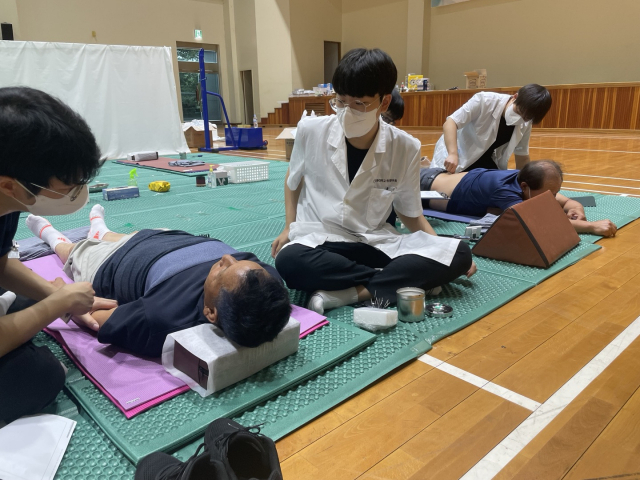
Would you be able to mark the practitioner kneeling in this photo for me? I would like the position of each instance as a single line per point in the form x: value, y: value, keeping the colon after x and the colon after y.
x: 346, y: 172
x: 169, y: 280
x: 483, y: 191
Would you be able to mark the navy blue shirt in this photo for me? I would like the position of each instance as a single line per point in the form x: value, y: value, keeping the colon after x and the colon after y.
x: 141, y: 324
x: 481, y: 189
x: 8, y: 228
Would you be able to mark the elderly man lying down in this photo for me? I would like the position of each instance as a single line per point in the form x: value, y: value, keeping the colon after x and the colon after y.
x: 482, y: 191
x: 169, y: 280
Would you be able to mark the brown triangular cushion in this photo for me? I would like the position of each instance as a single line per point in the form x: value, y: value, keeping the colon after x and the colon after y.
x: 536, y: 232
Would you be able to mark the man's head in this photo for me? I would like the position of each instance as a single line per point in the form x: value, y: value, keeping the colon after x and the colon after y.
x: 247, y: 303
x: 47, y: 150
x: 538, y: 177
x: 532, y: 102
x: 396, y: 108
x: 363, y: 82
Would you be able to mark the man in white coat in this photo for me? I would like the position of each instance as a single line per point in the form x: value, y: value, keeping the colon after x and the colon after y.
x: 346, y: 172
x: 489, y: 128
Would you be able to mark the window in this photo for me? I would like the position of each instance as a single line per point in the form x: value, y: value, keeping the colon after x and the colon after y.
x: 188, y: 72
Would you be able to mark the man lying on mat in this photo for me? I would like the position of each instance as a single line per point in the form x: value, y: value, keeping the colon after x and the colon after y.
x: 169, y: 280
x: 482, y: 191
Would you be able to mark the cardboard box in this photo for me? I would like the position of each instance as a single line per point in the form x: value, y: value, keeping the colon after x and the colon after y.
x: 195, y: 139
x: 415, y: 82
x: 476, y: 79
x: 289, y: 136
x: 288, y: 147
x: 120, y: 193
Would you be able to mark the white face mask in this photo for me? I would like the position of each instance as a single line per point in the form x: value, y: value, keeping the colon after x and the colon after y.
x: 56, y: 206
x: 356, y: 124
x: 512, y: 117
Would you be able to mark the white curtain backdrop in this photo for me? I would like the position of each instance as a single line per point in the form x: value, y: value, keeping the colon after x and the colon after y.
x: 126, y: 94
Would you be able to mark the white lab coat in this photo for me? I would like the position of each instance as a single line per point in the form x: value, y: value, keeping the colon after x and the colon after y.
x: 332, y: 210
x: 478, y: 122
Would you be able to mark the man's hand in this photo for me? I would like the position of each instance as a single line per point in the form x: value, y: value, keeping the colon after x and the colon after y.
x: 280, y: 241
x: 451, y: 162
x: 605, y: 228
x: 576, y: 214
x: 86, y: 321
x: 58, y: 283
x: 100, y: 303
x: 89, y: 320
x: 77, y: 298
x: 472, y: 270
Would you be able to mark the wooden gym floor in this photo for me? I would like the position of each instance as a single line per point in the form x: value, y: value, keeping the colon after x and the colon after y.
x: 423, y: 422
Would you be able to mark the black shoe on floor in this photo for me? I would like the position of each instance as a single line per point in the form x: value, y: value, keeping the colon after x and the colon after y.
x: 160, y: 466
x: 244, y: 452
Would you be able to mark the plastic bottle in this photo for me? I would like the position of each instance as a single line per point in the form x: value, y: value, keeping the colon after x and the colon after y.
x: 132, y: 178
x: 255, y: 121
x: 211, y: 178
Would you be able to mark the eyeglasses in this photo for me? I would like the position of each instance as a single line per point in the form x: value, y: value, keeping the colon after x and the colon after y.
x: 73, y: 194
x: 357, y: 105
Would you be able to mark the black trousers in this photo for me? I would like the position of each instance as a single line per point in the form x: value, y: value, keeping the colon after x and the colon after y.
x: 30, y: 379
x: 340, y: 265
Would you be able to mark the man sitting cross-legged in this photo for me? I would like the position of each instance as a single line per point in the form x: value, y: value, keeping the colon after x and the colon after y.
x: 484, y: 191
x: 169, y: 280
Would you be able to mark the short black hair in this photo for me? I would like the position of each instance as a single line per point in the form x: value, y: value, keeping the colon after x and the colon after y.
x: 533, y: 102
x: 396, y: 108
x: 41, y: 138
x: 535, y: 173
x: 255, y: 311
x: 365, y: 73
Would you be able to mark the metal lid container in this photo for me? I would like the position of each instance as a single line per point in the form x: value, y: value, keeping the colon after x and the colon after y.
x: 438, y: 310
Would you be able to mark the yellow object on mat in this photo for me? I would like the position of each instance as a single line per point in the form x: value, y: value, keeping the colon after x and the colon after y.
x: 159, y: 186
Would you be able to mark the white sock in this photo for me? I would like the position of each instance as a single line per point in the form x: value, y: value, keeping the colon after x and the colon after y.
x: 434, y: 291
x: 6, y: 300
x: 322, y: 300
x: 98, y: 227
x: 41, y: 228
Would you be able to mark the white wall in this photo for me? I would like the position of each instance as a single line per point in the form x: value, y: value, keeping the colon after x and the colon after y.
x: 273, y: 35
x: 9, y: 14
x: 126, y: 22
x: 542, y: 41
x: 312, y: 23
x: 377, y: 24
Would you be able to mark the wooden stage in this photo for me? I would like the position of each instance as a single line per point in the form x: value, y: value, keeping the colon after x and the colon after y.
x: 420, y: 422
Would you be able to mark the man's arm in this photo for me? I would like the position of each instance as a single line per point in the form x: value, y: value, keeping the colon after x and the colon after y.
x: 450, y: 129
x: 290, y: 207
x: 604, y: 228
x: 101, y: 316
x: 18, y: 328
x: 575, y: 212
x: 19, y: 279
x: 521, y: 161
x: 417, y: 224
x: 573, y: 209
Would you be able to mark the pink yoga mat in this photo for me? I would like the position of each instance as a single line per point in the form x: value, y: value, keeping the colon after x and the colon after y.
x: 134, y: 384
x: 309, y: 321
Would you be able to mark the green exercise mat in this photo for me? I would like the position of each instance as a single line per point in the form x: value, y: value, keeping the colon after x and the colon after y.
x: 249, y: 216
x: 179, y: 420
x: 284, y: 413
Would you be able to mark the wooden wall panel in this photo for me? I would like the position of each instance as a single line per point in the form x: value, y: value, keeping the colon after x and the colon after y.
x: 599, y: 106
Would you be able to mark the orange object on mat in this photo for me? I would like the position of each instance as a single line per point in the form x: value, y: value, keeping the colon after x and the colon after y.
x: 536, y: 233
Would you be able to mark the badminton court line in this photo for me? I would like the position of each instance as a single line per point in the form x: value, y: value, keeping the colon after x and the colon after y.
x: 481, y: 383
x: 519, y: 438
